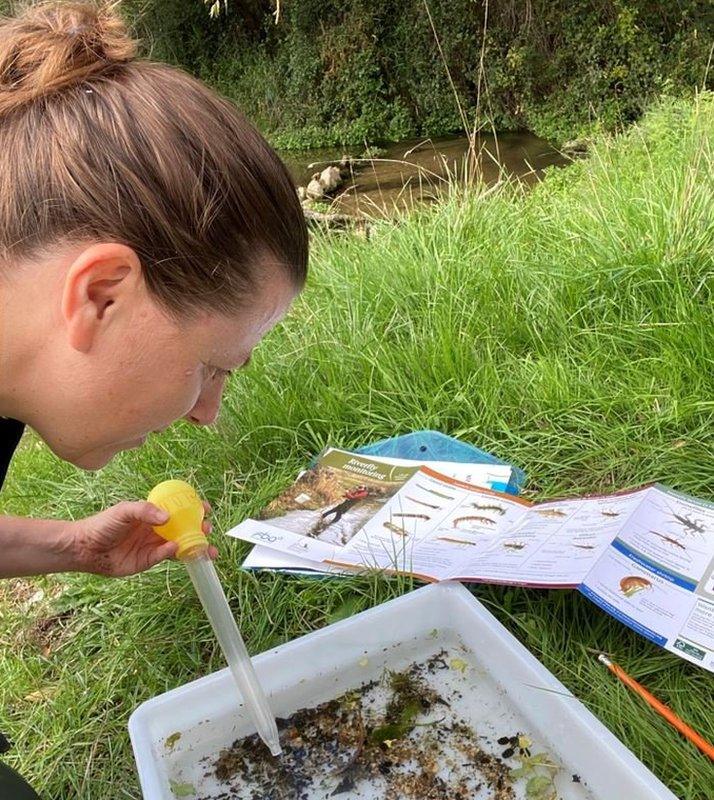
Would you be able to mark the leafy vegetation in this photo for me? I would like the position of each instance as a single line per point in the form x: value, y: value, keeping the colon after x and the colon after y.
x: 366, y: 70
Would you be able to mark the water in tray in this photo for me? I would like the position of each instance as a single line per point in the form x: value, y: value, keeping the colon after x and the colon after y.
x: 419, y: 720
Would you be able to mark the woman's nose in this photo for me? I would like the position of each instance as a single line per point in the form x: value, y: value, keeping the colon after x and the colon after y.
x: 208, y: 404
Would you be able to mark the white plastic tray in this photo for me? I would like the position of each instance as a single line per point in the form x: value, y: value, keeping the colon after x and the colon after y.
x: 509, y: 690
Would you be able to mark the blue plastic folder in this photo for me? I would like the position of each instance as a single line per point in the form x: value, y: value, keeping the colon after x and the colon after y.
x: 435, y: 446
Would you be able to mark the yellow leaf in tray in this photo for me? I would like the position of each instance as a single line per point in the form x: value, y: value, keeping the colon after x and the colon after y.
x: 182, y: 789
x: 172, y: 739
x: 458, y: 664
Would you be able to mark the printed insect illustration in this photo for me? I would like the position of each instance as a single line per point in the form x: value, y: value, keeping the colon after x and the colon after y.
x: 690, y: 524
x: 608, y: 513
x: 433, y: 491
x: 551, y: 512
x: 631, y: 584
x: 422, y: 503
x: 514, y: 545
x: 584, y: 546
x: 474, y: 520
x: 495, y: 508
x: 670, y: 540
x: 390, y: 526
x: 456, y: 541
x: 412, y: 516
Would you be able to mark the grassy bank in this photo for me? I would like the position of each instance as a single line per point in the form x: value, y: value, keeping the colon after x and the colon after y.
x: 568, y: 329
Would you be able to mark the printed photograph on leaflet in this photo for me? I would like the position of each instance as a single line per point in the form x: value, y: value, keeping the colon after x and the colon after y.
x: 331, y: 501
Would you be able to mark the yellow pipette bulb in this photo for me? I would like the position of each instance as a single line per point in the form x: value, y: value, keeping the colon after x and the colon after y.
x: 184, y: 505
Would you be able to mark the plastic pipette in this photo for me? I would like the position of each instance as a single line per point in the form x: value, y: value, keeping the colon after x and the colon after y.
x: 186, y: 511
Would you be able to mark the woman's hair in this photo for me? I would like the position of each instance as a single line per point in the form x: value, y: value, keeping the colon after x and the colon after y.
x: 95, y: 145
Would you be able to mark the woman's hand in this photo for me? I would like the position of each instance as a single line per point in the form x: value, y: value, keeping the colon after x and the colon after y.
x: 120, y: 541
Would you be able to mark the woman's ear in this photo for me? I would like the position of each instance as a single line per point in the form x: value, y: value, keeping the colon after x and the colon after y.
x: 99, y: 280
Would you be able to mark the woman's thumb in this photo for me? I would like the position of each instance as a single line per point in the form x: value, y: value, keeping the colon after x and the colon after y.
x: 141, y: 511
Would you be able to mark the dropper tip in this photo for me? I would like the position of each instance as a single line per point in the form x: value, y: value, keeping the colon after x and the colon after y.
x: 275, y: 749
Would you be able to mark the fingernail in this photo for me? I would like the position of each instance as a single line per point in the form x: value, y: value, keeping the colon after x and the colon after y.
x: 160, y: 515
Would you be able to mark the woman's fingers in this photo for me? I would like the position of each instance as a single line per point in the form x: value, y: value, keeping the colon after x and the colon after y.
x: 162, y: 552
x: 207, y: 526
x: 139, y: 511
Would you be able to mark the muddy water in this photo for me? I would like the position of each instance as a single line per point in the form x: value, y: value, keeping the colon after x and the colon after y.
x: 416, y: 169
x: 473, y: 697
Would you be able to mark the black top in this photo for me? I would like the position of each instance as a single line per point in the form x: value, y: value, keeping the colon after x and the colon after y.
x: 10, y: 433
x: 11, y: 784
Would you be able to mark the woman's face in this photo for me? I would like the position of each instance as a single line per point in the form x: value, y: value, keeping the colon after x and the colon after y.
x: 128, y: 369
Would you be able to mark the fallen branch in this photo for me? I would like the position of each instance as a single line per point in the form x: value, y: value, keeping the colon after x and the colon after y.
x: 333, y: 220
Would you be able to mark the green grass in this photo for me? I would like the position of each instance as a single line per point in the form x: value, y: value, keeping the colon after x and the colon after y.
x: 568, y: 329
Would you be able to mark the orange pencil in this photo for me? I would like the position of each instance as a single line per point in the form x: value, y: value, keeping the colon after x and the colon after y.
x: 706, y: 747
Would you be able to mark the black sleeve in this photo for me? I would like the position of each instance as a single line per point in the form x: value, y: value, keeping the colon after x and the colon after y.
x: 10, y: 435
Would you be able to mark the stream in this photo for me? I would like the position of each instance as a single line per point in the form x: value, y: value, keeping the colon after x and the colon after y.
x: 415, y: 170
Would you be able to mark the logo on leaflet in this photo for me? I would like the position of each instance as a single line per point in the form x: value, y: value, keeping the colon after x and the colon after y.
x: 262, y: 536
x: 689, y: 649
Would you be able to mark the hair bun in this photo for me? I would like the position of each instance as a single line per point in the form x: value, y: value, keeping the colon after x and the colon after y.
x: 54, y: 45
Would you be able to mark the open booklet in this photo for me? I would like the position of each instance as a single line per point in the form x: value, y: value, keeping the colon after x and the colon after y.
x: 335, y: 473
x: 645, y: 556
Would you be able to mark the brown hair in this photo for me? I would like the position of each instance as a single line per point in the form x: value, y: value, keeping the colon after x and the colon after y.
x: 97, y: 145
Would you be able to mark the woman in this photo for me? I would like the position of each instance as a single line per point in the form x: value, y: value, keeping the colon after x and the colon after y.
x: 149, y: 238
x: 350, y: 498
